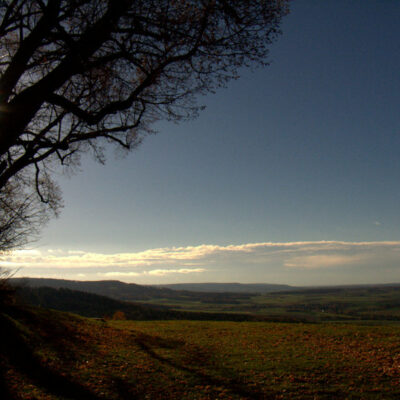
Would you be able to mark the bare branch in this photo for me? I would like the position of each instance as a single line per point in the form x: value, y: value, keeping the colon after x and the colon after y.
x: 76, y: 75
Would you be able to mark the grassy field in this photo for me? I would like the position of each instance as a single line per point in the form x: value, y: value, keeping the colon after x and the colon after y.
x: 54, y: 355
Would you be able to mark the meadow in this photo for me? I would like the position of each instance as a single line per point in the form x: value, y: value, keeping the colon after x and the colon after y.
x: 55, y: 355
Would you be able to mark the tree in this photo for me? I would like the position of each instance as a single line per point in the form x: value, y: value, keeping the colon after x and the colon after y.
x: 22, y: 213
x: 76, y: 75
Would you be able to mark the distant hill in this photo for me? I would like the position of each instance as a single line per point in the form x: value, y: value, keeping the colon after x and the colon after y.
x: 228, y: 287
x: 132, y: 292
x: 114, y: 289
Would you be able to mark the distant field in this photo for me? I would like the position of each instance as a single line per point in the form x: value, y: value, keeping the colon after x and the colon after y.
x: 378, y: 304
x: 53, y: 355
x: 313, y: 305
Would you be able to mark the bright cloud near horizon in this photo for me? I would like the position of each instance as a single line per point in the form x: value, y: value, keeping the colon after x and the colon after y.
x: 298, y: 263
x: 303, y: 150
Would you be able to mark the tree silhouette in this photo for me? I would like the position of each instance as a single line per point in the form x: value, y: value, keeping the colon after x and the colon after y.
x: 76, y: 75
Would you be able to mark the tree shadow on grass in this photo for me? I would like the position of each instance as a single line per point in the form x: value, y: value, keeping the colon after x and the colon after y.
x: 231, y: 383
x: 126, y: 390
x: 16, y: 351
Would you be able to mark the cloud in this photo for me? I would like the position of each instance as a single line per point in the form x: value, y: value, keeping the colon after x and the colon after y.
x: 27, y: 253
x: 154, y: 272
x: 162, y: 272
x: 301, y: 255
x: 323, y: 261
x: 118, y: 273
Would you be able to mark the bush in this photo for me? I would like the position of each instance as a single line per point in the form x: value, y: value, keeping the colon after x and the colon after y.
x: 119, y: 315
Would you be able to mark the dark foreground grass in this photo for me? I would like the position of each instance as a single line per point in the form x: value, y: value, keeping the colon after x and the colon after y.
x: 49, y: 355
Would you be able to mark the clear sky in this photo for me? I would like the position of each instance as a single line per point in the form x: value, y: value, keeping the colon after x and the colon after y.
x: 290, y: 175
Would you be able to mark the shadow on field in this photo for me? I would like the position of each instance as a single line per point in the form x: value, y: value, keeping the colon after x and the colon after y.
x: 15, y: 352
x: 199, y: 359
x: 4, y: 390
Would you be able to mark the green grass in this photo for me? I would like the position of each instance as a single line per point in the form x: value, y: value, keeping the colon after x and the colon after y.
x: 54, y: 355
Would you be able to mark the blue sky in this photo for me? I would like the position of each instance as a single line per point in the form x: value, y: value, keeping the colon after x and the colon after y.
x: 303, y: 151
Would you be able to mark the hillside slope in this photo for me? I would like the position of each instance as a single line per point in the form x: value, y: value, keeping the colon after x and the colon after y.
x: 48, y: 355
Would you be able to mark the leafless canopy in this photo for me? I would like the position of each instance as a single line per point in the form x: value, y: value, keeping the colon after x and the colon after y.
x: 77, y: 74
